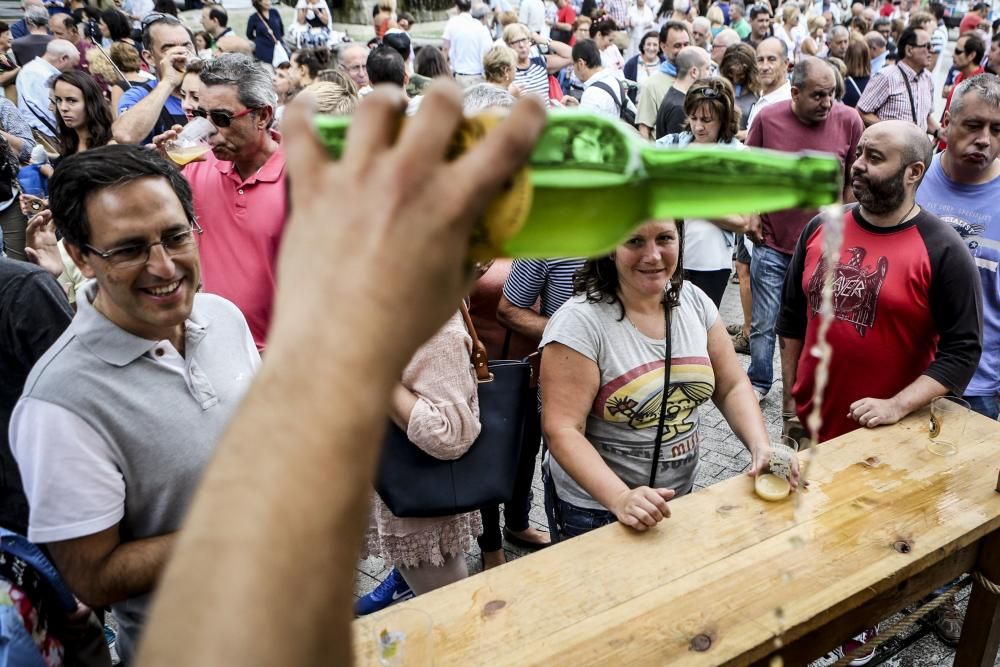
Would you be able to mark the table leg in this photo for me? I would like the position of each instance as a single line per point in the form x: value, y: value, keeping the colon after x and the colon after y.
x: 981, y: 629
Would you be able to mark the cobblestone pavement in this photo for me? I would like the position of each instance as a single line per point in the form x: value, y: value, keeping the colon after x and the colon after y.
x: 722, y: 456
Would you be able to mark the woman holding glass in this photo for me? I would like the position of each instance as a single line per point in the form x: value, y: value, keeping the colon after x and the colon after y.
x: 602, y: 385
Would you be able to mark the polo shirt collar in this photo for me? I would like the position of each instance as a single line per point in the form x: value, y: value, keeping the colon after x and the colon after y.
x: 112, y: 344
x: 270, y: 172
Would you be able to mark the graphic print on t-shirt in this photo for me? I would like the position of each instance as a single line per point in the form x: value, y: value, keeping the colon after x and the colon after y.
x: 856, y: 287
x: 635, y: 397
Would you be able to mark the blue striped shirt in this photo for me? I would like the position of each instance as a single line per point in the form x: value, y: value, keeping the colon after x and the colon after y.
x: 552, y: 279
x: 534, y: 79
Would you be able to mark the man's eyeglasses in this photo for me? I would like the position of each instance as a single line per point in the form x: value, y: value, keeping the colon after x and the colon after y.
x: 137, y: 254
x: 959, y: 52
x: 222, y: 118
x: 922, y: 46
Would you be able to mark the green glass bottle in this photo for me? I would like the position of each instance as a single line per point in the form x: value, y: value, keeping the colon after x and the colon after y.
x: 591, y: 180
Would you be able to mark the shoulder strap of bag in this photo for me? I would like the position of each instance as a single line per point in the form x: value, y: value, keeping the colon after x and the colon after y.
x: 268, y: 26
x: 606, y: 88
x: 667, y: 363
x: 854, y: 85
x: 909, y: 93
x: 41, y: 117
x: 479, y: 359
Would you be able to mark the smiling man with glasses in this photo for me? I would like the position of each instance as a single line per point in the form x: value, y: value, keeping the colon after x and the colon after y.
x: 239, y: 190
x: 121, y: 415
x: 906, y: 91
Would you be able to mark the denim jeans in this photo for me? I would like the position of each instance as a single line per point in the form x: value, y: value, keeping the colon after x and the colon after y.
x: 984, y: 405
x: 767, y: 277
x: 566, y: 520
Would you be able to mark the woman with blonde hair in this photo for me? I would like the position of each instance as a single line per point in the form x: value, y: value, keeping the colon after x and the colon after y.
x: 717, y: 19
x: 815, y: 42
x: 119, y: 68
x: 787, y: 31
x: 333, y: 98
x: 532, y: 72
x: 500, y: 66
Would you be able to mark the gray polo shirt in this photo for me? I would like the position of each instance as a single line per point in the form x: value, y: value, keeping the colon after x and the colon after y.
x: 116, y: 429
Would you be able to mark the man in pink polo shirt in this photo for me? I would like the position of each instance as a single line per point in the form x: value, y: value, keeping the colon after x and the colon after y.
x: 239, y: 190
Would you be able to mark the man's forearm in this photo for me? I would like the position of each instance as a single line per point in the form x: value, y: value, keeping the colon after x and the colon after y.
x: 286, y: 461
x: 8, y: 77
x: 791, y: 349
x: 919, y: 393
x: 521, y: 320
x: 868, y: 118
x: 131, y: 569
x: 16, y: 143
x: 134, y: 125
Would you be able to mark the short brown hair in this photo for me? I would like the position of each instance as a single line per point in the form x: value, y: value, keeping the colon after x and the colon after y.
x: 716, y: 94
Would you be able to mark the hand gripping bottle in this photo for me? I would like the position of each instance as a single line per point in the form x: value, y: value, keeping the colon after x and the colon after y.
x: 591, y: 180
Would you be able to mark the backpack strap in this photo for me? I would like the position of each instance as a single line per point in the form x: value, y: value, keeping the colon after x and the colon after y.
x: 606, y: 88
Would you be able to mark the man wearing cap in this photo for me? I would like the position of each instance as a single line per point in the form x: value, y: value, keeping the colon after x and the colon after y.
x: 466, y: 40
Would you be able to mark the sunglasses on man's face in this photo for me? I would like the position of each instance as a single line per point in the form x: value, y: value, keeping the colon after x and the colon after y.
x: 220, y: 118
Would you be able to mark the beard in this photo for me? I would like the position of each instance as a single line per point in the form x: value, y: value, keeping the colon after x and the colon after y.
x: 881, y: 196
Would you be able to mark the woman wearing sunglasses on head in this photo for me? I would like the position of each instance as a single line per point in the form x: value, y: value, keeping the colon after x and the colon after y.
x: 712, y: 117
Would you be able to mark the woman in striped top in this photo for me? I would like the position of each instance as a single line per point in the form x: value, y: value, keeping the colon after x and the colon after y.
x: 532, y: 72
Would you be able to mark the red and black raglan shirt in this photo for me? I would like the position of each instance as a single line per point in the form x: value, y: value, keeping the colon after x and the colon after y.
x: 907, y: 303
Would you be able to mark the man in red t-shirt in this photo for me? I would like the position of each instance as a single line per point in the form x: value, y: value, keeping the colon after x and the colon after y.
x: 979, y: 13
x: 811, y: 120
x: 908, y: 307
x: 562, y: 30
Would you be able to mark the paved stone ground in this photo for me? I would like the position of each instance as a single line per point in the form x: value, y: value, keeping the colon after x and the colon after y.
x: 723, y: 456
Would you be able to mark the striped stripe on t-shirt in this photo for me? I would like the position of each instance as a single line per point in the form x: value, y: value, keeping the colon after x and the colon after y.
x: 534, y: 79
x: 552, y: 279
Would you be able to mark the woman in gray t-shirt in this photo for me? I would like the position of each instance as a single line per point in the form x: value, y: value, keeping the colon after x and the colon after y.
x: 602, y: 387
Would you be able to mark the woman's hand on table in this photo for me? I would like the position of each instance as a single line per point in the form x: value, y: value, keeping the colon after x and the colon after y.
x: 642, y: 507
x: 761, y: 460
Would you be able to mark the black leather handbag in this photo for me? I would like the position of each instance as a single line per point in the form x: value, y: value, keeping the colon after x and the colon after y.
x: 412, y: 483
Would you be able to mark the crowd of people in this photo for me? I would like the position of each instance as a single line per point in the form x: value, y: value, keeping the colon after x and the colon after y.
x: 139, y: 292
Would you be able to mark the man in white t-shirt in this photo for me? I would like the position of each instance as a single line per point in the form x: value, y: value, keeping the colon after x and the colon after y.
x: 466, y: 40
x: 772, y: 71
x: 602, y: 90
x: 532, y: 14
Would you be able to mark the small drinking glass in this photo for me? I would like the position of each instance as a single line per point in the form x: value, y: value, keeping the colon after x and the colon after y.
x: 774, y: 484
x: 404, y: 637
x: 949, y: 416
x: 192, y: 142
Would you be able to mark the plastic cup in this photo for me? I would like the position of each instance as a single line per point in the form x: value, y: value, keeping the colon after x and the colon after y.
x: 949, y: 417
x: 192, y: 142
x: 774, y: 485
x: 404, y: 637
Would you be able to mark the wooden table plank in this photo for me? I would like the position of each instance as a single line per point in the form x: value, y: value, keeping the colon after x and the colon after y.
x: 717, y: 571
